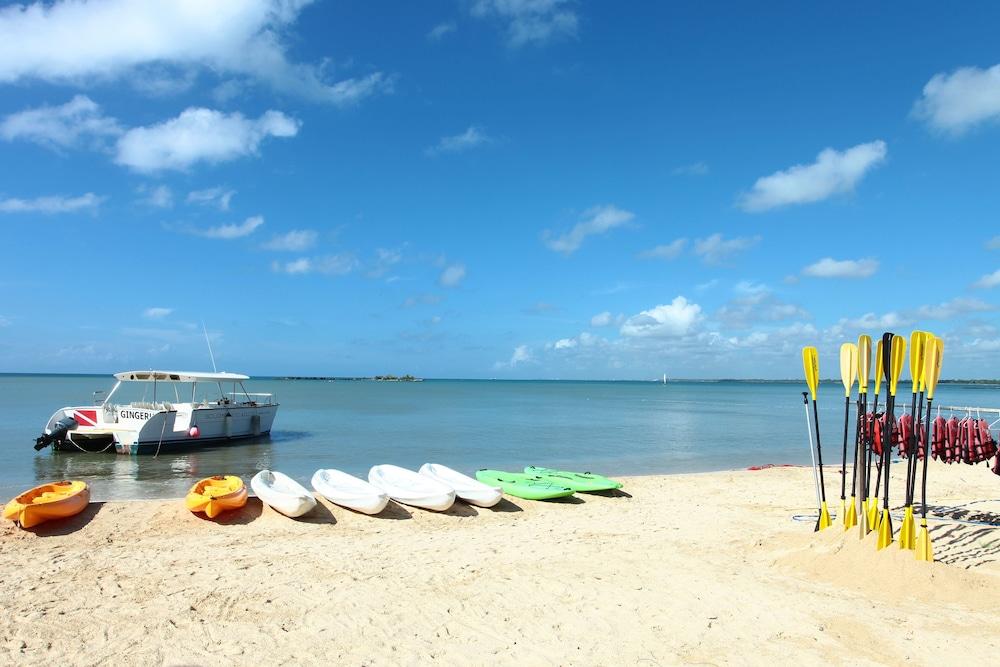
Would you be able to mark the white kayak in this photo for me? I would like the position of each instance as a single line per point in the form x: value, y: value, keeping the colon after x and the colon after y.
x: 349, y: 491
x: 282, y: 493
x: 470, y: 490
x: 411, y: 488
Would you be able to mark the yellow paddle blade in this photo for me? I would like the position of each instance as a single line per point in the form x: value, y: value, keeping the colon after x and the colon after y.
x: 879, y: 370
x: 923, y: 543
x: 933, y: 353
x: 848, y: 366
x: 918, y: 345
x: 872, y: 514
x: 898, y: 357
x: 850, y: 514
x: 907, y: 537
x: 864, y: 362
x: 824, y: 517
x: 810, y: 363
x: 884, y: 531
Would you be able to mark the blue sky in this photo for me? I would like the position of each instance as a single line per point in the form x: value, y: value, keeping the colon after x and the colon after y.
x: 496, y: 188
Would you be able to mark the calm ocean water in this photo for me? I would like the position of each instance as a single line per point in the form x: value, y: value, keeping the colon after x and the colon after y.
x: 609, y: 427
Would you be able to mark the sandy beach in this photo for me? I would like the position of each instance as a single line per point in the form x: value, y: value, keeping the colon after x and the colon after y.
x: 684, y: 569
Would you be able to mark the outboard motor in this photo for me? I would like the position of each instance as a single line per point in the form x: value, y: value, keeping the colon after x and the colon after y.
x: 58, y: 432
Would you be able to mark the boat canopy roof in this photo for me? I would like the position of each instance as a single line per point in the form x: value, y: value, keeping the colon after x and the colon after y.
x: 179, y: 376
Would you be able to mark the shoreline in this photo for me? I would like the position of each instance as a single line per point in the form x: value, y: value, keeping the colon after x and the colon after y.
x: 695, y: 567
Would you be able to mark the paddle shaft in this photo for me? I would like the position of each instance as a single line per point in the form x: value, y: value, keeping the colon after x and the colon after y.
x: 857, y: 446
x: 819, y: 453
x: 869, y: 453
x: 890, y: 426
x: 927, y: 455
x: 812, y: 451
x: 911, y: 463
x: 843, y: 461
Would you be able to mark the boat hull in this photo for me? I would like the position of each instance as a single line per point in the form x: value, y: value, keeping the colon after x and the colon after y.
x: 162, y: 432
x: 46, y: 502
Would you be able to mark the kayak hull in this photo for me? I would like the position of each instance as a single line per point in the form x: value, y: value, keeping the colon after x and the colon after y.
x: 282, y: 493
x: 47, y: 502
x: 349, y: 491
x: 470, y: 490
x: 520, y: 485
x: 578, y: 481
x: 215, y: 495
x: 411, y: 488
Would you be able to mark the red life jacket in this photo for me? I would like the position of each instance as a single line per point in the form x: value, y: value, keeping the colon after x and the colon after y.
x: 921, y: 440
x: 938, y: 438
x: 952, y: 451
x: 984, y: 447
x: 878, y: 422
x: 904, y: 429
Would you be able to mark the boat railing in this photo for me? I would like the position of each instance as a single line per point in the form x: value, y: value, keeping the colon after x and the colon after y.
x: 250, y: 398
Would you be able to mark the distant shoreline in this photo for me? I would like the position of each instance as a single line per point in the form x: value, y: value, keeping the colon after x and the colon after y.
x: 389, y: 378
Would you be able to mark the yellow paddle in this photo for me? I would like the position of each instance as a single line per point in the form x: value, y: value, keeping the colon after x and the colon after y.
x: 848, y: 373
x: 810, y: 363
x: 895, y: 349
x: 933, y: 353
x: 918, y: 340
x: 873, y: 500
x: 861, y: 447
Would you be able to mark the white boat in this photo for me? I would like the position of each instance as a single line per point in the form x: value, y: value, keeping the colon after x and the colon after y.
x: 157, y: 418
x: 282, y: 493
x: 411, y: 488
x: 468, y: 489
x: 349, y: 491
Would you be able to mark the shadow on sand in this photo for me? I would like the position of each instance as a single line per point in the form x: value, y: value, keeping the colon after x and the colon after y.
x: 506, y: 506
x: 244, y: 515
x: 70, y: 524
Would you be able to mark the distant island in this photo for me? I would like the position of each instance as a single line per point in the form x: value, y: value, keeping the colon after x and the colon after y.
x: 376, y: 378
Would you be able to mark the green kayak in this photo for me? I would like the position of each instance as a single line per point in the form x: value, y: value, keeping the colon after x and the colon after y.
x: 578, y: 481
x: 529, y: 487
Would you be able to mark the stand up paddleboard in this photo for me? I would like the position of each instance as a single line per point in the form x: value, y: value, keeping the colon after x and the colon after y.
x: 529, y: 487
x: 578, y: 481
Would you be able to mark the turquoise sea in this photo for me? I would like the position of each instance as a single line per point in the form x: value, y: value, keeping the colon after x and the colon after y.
x: 617, y: 428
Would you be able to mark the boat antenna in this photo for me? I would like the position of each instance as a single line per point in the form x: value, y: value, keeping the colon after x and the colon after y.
x: 209, y: 343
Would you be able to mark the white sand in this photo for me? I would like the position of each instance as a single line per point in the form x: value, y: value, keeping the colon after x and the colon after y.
x: 705, y: 569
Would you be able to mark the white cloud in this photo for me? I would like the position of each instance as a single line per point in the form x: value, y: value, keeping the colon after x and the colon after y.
x: 596, y: 220
x: 385, y: 259
x: 75, y: 42
x: 63, y: 126
x: 4, y: 321
x: 336, y: 265
x: 988, y: 281
x: 675, y: 319
x: 231, y: 230
x: 157, y: 197
x: 871, y: 322
x: 756, y: 303
x: 601, y: 319
x: 521, y: 355
x: 472, y: 137
x: 694, y: 169
x: 199, y: 135
x: 440, y: 30
x: 666, y: 251
x: 993, y: 243
x: 716, y: 249
x: 422, y: 300
x: 51, y: 204
x: 216, y: 197
x: 156, y: 313
x: 529, y: 21
x: 959, y: 101
x: 833, y: 172
x: 452, y: 276
x: 565, y: 344
x: 950, y: 309
x: 296, y: 240
x: 844, y: 268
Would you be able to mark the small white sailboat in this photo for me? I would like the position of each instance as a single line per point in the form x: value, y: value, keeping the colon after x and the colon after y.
x: 282, y: 493
x: 468, y: 489
x: 349, y: 491
x: 411, y: 488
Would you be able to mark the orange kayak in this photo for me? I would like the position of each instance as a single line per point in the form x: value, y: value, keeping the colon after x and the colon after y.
x: 48, y: 501
x: 215, y: 495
